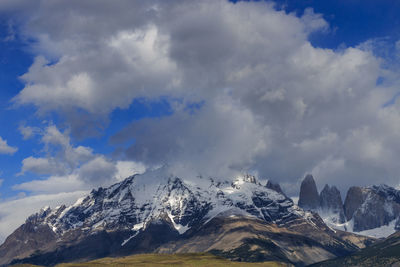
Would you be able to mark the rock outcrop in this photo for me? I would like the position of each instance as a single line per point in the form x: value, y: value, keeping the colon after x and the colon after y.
x: 331, y: 202
x: 309, y: 198
x: 274, y: 186
x: 372, y: 207
x: 354, y: 199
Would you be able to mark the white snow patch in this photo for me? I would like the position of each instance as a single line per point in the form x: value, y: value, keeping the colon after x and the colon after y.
x: 383, y: 231
x: 180, y: 228
x: 127, y: 240
x: 138, y: 226
x: 295, y: 200
x: 379, y: 232
x: 79, y: 201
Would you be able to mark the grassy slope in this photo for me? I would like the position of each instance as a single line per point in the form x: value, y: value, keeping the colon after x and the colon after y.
x: 190, y: 260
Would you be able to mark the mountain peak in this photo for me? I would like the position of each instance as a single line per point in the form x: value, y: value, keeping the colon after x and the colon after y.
x: 274, y: 186
x: 309, y: 197
x: 331, y: 202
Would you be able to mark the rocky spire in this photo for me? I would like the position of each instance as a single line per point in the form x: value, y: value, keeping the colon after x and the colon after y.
x: 331, y: 201
x: 309, y: 198
x: 274, y: 186
x: 354, y: 200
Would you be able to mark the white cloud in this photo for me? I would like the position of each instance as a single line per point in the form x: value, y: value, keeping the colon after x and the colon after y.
x: 54, y: 184
x: 27, y: 131
x: 5, y: 148
x: 272, y: 102
x: 128, y: 168
x: 60, y: 156
x: 41, y: 166
x: 196, y: 143
x: 97, y: 171
x: 69, y: 168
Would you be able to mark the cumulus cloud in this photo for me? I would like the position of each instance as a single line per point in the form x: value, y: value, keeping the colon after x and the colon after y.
x: 41, y: 166
x: 60, y: 156
x: 97, y: 170
x: 28, y: 132
x: 195, y: 143
x: 70, y: 168
x: 5, y: 148
x: 127, y: 168
x: 272, y: 103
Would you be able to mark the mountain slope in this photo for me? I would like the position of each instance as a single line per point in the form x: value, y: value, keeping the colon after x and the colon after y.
x: 144, y: 213
x: 383, y: 253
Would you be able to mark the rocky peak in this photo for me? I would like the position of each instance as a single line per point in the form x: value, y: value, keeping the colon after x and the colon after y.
x: 309, y: 198
x: 38, y: 217
x: 249, y: 178
x: 274, y: 186
x: 246, y: 178
x: 354, y: 200
x: 387, y: 192
x: 372, y: 207
x: 330, y: 198
x: 331, y: 201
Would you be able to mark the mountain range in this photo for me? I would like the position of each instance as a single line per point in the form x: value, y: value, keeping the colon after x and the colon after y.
x: 239, y: 219
x: 372, y: 210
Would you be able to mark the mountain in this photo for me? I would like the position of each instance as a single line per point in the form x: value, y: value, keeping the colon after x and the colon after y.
x: 383, y: 253
x: 158, y: 212
x: 274, y: 186
x: 328, y: 204
x: 309, y: 197
x: 331, y: 203
x: 372, y: 210
x: 372, y: 207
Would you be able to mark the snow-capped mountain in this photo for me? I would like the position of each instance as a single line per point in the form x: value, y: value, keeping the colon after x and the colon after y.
x: 139, y: 199
x: 145, y: 212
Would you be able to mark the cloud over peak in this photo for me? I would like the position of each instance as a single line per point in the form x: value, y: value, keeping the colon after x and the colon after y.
x: 273, y: 103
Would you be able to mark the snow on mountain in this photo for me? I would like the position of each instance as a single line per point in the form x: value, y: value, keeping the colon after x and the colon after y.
x: 372, y: 211
x: 134, y: 202
x: 158, y: 210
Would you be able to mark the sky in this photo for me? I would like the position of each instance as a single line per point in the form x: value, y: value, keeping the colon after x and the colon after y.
x: 94, y: 91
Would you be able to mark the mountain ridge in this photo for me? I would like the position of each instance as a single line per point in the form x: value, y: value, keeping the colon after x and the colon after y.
x: 370, y: 210
x: 145, y: 212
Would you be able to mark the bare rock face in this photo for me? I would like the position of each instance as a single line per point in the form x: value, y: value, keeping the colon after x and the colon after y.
x: 274, y: 186
x: 331, y: 202
x: 309, y: 198
x: 353, y: 201
x: 372, y: 207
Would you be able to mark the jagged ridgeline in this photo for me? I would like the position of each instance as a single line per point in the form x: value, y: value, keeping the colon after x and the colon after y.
x: 371, y: 210
x: 240, y: 219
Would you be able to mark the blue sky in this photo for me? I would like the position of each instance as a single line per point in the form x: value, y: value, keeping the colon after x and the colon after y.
x: 354, y: 21
x: 278, y: 89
